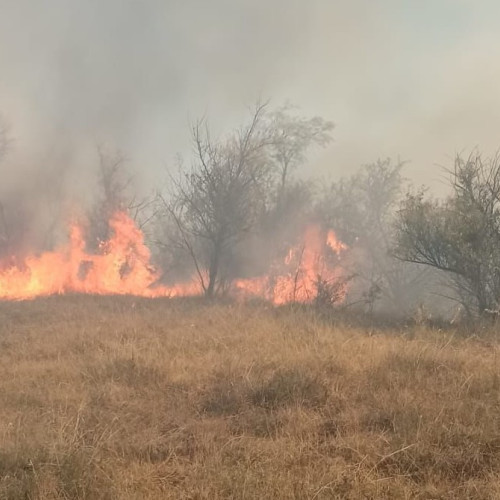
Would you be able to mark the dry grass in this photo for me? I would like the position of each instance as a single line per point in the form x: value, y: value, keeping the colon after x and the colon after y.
x: 118, y: 398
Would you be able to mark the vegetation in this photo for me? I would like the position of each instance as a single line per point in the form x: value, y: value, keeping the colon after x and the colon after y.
x: 459, y: 236
x: 362, y: 209
x: 236, y: 211
x: 123, y: 398
x: 233, y: 186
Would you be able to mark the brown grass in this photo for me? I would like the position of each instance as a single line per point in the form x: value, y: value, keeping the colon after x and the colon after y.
x: 122, y: 398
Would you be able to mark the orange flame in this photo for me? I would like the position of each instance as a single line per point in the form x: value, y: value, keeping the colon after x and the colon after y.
x: 304, y: 265
x: 122, y: 267
x: 335, y: 244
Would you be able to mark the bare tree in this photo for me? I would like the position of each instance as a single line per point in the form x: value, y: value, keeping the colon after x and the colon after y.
x: 218, y: 201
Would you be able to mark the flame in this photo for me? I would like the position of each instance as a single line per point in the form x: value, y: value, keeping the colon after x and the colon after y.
x: 334, y: 243
x: 122, y: 266
x: 304, y: 265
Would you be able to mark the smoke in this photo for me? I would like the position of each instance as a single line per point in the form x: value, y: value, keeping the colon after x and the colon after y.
x: 130, y: 74
x: 418, y: 80
x: 126, y: 74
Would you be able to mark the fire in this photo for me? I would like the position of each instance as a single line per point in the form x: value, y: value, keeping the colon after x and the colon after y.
x: 122, y: 266
x: 304, y: 267
x: 335, y: 244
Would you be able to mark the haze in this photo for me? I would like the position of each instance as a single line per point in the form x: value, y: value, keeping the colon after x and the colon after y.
x: 417, y: 80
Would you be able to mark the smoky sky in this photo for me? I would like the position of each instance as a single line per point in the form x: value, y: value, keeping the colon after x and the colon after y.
x: 417, y: 80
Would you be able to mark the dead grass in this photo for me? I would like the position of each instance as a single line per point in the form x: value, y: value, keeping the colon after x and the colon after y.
x: 122, y: 398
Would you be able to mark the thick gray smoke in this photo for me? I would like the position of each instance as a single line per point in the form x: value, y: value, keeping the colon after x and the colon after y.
x: 131, y: 74
x: 415, y: 79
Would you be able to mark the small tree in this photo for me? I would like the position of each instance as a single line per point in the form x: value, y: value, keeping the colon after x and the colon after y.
x: 362, y: 209
x: 460, y: 235
x: 218, y: 201
x: 115, y: 191
x: 292, y: 137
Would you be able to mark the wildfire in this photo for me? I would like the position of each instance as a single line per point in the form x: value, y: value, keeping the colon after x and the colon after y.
x: 336, y: 245
x: 122, y: 266
x: 305, y: 266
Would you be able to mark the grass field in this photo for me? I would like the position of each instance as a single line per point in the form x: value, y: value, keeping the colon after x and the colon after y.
x: 120, y: 398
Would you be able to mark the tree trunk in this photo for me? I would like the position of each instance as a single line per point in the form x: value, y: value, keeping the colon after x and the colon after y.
x: 213, y: 271
x: 282, y: 187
